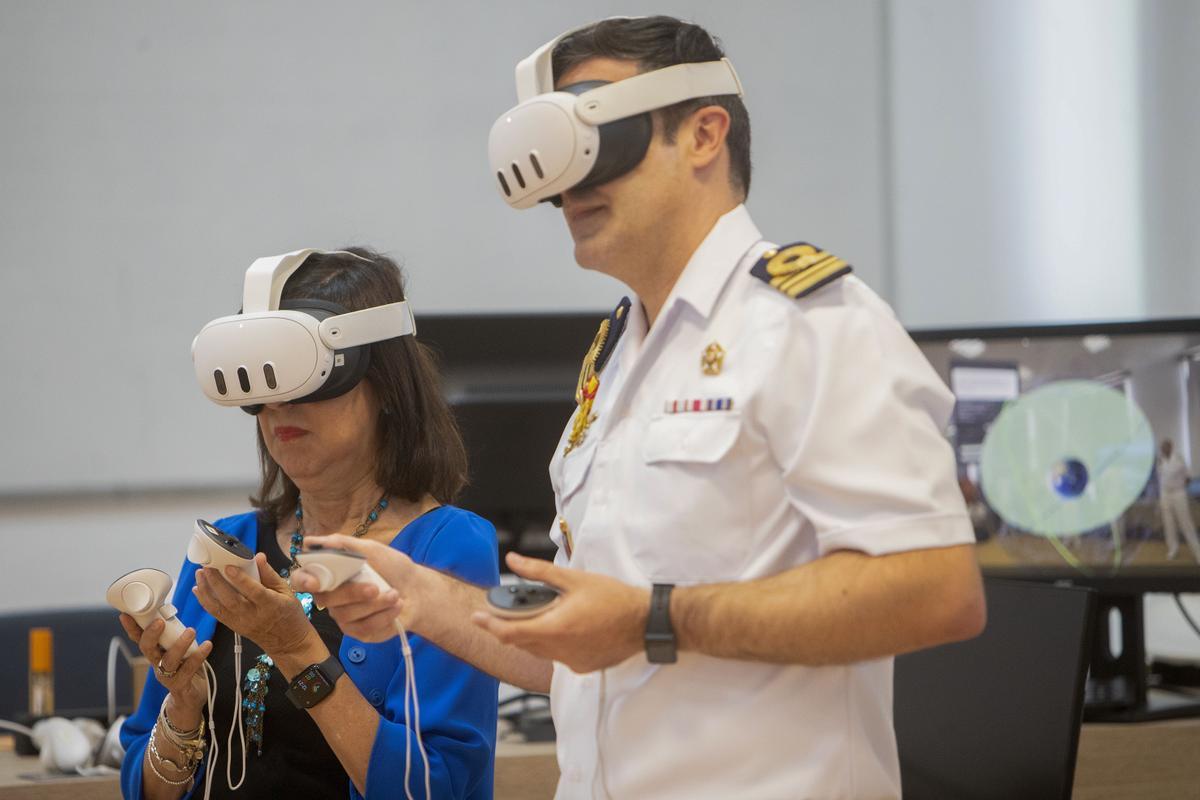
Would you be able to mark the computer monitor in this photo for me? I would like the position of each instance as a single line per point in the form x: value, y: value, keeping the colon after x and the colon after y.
x: 1153, y: 369
x: 1058, y: 424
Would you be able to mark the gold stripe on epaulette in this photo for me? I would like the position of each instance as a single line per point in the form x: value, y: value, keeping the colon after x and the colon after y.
x: 794, y: 285
x: 799, y: 269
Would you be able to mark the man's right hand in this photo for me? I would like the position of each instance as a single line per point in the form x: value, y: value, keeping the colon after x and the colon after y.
x: 360, y: 609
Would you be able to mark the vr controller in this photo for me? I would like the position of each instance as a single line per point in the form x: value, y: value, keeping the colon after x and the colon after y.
x: 144, y: 594
x: 212, y: 547
x: 331, y: 567
x: 521, y: 601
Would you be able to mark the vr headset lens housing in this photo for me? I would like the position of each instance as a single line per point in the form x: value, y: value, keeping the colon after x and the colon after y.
x: 588, y: 133
x: 298, y: 351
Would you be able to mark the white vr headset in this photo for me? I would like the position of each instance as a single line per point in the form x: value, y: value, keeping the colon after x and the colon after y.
x: 588, y: 133
x: 296, y: 351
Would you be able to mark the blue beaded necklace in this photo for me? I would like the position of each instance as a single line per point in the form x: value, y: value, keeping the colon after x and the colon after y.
x: 254, y: 688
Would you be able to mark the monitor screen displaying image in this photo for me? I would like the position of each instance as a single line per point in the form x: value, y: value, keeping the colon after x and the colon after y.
x: 1078, y: 448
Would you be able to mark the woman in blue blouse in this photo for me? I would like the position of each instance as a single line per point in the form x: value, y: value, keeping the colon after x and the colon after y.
x: 381, y: 461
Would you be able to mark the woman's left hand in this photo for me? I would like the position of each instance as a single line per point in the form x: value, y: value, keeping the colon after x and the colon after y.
x: 267, y: 613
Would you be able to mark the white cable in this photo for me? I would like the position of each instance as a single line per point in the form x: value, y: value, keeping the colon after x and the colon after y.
x: 210, y: 678
x: 407, y: 727
x: 410, y: 686
x: 15, y: 728
x: 115, y: 645
x: 237, y: 719
x: 412, y: 675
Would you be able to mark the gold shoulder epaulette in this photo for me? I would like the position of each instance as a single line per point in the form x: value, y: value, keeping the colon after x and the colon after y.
x: 799, y: 269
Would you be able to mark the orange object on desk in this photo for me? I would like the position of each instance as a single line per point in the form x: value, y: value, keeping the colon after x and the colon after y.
x: 41, y: 672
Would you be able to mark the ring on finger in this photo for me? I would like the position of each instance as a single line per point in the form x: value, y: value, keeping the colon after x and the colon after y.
x: 163, y: 672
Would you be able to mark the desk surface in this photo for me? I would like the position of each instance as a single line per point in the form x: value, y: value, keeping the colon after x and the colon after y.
x: 15, y: 787
x: 1149, y: 761
x: 1146, y: 761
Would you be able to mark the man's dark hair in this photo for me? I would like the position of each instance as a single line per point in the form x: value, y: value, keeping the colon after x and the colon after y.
x: 654, y: 43
x: 420, y: 449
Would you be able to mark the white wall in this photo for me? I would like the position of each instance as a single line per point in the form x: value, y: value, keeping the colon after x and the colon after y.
x: 1170, y: 31
x: 1016, y: 159
x: 1161, y: 391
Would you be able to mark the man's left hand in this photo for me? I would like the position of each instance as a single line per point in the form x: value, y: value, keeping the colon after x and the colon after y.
x: 267, y: 613
x: 597, y: 622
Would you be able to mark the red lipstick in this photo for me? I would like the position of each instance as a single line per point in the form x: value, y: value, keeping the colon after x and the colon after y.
x: 285, y: 433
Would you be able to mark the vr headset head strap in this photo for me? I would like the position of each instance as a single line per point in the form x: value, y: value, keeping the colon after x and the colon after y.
x: 367, y: 326
x: 657, y: 89
x: 535, y: 72
x: 264, y: 282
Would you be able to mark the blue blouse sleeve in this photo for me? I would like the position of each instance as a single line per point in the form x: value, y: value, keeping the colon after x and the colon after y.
x: 457, y: 701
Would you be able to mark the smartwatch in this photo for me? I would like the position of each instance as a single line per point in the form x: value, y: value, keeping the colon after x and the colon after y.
x: 660, y: 636
x: 315, y: 682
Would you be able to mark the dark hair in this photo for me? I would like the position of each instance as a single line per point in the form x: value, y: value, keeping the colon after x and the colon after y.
x: 420, y: 449
x: 654, y: 43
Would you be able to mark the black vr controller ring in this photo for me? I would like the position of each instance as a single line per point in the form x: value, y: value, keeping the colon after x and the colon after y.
x: 623, y: 144
x: 343, y: 378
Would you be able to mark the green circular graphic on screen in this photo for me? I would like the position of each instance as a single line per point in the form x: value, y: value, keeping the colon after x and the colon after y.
x: 1065, y: 458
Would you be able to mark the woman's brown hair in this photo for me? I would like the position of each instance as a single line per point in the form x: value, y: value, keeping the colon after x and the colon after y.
x: 421, y: 449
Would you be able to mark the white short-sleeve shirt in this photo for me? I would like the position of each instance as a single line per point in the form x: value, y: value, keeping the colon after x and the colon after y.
x: 820, y: 431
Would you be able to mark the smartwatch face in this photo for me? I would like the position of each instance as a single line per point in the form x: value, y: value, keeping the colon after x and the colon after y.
x: 310, y: 686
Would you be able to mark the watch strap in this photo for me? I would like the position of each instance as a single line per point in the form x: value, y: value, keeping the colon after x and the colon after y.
x: 660, y: 635
x: 315, y: 682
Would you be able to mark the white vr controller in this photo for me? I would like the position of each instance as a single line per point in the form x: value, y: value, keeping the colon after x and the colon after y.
x: 145, y: 595
x: 332, y: 567
x: 212, y: 547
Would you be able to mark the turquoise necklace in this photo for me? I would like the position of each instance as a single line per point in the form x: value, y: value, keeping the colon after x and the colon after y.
x: 254, y: 688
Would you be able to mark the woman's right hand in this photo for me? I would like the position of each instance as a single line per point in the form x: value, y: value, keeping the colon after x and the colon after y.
x: 180, y: 676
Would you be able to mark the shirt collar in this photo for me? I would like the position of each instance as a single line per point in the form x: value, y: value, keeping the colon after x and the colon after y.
x: 716, y: 258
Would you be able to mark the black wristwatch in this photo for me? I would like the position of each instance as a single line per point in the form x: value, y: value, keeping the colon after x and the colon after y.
x: 660, y: 636
x: 315, y: 682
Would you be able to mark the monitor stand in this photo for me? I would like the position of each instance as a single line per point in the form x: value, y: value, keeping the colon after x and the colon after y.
x: 1117, y: 685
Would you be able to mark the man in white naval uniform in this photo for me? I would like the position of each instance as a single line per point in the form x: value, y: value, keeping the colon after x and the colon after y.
x: 757, y: 507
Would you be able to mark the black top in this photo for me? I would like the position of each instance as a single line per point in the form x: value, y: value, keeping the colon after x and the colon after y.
x: 296, y: 760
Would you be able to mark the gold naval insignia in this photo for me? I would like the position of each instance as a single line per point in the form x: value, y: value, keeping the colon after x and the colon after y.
x: 585, y: 391
x: 713, y: 359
